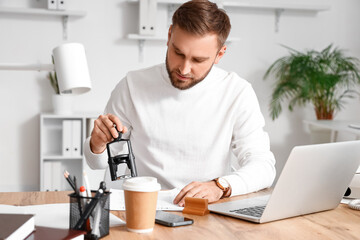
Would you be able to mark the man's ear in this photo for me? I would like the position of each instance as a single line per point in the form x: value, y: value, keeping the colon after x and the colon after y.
x: 220, y: 54
x: 169, y: 35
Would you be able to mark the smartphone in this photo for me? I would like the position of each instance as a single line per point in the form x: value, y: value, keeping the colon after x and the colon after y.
x: 171, y: 220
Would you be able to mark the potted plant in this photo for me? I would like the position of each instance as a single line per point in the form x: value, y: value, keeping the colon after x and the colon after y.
x: 323, y: 79
x: 54, y: 82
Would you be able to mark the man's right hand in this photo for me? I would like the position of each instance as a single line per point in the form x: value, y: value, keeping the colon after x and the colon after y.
x: 104, y: 132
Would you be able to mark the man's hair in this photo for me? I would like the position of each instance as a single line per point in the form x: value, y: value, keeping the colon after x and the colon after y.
x: 202, y: 17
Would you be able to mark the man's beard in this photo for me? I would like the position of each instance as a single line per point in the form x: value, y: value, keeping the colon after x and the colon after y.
x: 180, y: 85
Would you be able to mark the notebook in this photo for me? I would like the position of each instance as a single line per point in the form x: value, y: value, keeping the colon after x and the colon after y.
x: 314, y: 178
x: 16, y: 226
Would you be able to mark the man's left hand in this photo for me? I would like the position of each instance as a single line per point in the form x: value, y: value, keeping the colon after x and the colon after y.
x: 207, y: 190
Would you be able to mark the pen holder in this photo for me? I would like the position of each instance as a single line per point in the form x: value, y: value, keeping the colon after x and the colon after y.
x: 97, y: 224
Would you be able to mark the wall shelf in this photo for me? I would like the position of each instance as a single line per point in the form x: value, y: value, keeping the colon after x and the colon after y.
x: 64, y: 14
x: 278, y: 9
x: 59, y: 157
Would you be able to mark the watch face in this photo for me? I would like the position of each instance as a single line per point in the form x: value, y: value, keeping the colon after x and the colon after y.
x: 223, y: 183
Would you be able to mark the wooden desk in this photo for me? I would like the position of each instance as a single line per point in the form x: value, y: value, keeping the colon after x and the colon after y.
x: 341, y: 223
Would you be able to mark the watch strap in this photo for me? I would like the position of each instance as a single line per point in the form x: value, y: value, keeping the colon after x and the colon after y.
x: 226, y: 190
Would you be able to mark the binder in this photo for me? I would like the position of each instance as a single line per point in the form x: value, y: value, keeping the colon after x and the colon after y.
x: 61, y: 4
x: 76, y: 138
x: 47, y: 176
x: 143, y: 27
x: 152, y: 15
x: 71, y: 142
x: 147, y: 17
x: 56, y: 175
x: 52, y: 4
x: 66, y: 137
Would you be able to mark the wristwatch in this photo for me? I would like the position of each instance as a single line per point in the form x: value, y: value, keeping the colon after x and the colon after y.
x: 223, y: 185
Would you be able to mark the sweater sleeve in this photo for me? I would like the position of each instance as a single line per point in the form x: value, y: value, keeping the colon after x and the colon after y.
x: 255, y: 166
x: 116, y: 105
x: 95, y: 161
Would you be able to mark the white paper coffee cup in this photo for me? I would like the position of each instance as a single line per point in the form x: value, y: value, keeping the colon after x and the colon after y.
x: 140, y: 195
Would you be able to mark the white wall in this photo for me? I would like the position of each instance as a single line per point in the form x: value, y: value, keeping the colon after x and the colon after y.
x: 30, y: 39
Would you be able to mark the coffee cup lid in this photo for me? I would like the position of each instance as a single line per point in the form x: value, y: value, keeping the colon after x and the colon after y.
x: 141, y: 184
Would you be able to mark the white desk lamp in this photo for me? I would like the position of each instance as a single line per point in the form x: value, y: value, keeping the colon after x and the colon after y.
x: 71, y: 69
x: 70, y: 65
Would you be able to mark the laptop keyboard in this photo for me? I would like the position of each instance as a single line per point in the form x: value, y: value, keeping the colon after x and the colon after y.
x: 250, y: 211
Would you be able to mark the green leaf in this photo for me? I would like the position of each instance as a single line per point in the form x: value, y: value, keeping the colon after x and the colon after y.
x: 322, y: 78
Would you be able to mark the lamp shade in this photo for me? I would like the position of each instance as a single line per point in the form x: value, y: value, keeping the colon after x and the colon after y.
x: 71, y: 68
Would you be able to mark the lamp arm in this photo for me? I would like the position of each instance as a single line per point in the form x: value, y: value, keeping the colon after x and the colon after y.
x: 27, y: 67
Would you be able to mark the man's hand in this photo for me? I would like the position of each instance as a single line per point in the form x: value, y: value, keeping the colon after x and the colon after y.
x: 104, y: 132
x: 207, y: 190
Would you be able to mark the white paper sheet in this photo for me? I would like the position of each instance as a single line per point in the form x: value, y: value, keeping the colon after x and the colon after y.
x: 51, y: 215
x: 165, y: 200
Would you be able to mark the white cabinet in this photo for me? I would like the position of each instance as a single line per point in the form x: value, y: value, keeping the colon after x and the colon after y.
x: 61, y: 148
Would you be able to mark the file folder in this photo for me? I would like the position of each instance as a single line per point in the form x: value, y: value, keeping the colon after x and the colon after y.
x: 66, y: 137
x: 147, y: 17
x: 52, y: 4
x: 61, y: 4
x: 76, y: 138
x: 47, y: 176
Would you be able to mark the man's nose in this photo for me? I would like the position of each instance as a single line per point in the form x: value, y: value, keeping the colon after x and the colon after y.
x: 185, y: 68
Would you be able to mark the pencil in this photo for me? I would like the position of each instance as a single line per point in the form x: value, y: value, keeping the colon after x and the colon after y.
x: 70, y: 181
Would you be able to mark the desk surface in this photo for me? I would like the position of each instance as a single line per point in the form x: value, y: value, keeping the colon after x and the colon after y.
x: 340, y: 223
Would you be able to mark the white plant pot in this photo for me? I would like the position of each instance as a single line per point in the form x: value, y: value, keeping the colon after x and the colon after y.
x: 62, y: 104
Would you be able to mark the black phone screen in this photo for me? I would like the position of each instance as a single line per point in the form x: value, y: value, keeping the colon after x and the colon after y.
x: 171, y: 220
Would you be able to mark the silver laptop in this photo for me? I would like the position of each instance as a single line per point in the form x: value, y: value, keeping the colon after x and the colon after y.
x: 314, y: 179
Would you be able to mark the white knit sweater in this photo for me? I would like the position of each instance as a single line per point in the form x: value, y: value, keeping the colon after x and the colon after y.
x: 180, y: 136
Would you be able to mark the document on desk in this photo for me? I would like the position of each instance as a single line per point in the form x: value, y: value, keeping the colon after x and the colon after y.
x: 164, y: 202
x: 51, y: 215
